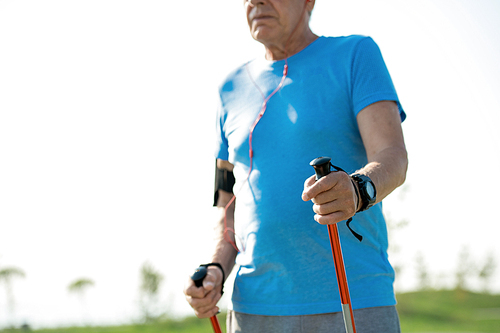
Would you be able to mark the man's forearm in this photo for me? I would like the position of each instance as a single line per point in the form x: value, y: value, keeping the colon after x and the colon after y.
x: 225, y: 253
x: 387, y: 170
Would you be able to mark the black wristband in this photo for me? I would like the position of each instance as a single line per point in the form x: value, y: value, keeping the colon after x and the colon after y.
x: 224, y: 180
x: 223, y: 274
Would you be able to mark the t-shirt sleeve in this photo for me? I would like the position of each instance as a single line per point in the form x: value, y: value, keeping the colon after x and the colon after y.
x: 370, y: 79
x: 221, y: 144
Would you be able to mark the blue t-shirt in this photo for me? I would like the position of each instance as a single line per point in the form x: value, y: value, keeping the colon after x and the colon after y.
x: 285, y: 263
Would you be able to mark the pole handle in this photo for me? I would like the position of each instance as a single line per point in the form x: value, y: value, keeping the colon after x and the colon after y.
x: 199, y: 275
x: 321, y: 166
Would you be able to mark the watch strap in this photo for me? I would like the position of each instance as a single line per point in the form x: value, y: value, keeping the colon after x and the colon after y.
x: 362, y: 181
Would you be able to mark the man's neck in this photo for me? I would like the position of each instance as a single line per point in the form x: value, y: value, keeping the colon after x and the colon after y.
x: 280, y: 51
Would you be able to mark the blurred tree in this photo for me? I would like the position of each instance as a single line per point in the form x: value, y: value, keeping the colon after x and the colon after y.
x: 80, y: 287
x: 149, y: 291
x: 6, y: 276
x: 486, y: 272
x: 422, y: 272
x: 465, y: 268
x: 397, y: 261
x: 393, y: 226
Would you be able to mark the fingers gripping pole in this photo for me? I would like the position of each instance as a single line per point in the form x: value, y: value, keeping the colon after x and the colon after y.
x: 197, y: 277
x: 321, y: 166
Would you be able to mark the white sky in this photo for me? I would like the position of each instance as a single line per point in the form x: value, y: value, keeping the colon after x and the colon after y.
x: 106, y: 114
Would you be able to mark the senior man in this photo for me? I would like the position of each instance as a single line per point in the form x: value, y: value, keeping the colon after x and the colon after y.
x: 309, y: 96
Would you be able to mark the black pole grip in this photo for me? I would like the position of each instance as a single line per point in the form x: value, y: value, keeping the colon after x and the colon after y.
x: 322, y: 166
x: 199, y: 275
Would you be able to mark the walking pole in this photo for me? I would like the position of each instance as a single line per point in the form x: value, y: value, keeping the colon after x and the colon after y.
x: 197, y: 277
x: 321, y: 166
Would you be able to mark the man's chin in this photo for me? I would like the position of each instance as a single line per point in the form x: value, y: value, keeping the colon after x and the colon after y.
x: 263, y: 35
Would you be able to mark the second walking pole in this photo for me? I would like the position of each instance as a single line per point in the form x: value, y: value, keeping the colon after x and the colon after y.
x: 321, y: 166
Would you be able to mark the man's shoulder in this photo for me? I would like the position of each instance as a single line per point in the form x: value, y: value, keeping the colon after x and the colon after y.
x: 345, y: 48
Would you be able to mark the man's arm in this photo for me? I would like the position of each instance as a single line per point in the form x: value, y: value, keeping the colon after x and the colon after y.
x: 204, y: 299
x: 380, y: 128
x: 225, y: 253
x: 334, y: 196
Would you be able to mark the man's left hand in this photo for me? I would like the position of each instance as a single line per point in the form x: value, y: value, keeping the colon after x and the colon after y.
x: 333, y: 195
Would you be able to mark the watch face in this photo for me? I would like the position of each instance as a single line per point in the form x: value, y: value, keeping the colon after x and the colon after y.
x: 370, y: 190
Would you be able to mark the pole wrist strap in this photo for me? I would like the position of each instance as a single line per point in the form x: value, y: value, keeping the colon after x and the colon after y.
x: 223, y: 274
x: 355, y: 234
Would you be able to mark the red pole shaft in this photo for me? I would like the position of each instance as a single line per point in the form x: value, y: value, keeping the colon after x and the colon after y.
x: 215, y: 324
x: 341, y: 278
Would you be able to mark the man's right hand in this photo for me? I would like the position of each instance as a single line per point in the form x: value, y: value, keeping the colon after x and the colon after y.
x: 204, y: 299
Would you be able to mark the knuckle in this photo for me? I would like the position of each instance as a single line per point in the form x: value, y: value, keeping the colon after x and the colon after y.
x: 320, y: 209
x: 350, y: 213
x: 188, y: 293
x: 324, y: 220
x: 315, y: 208
x: 344, y: 175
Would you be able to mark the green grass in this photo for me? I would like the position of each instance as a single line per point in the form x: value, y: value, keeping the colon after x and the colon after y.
x: 449, y: 311
x: 187, y: 325
x: 424, y: 311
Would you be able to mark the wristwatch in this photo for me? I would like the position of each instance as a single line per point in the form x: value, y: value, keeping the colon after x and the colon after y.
x: 367, y: 191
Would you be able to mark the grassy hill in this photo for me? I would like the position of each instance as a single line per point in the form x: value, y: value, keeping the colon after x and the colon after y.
x: 424, y: 311
x: 449, y: 311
